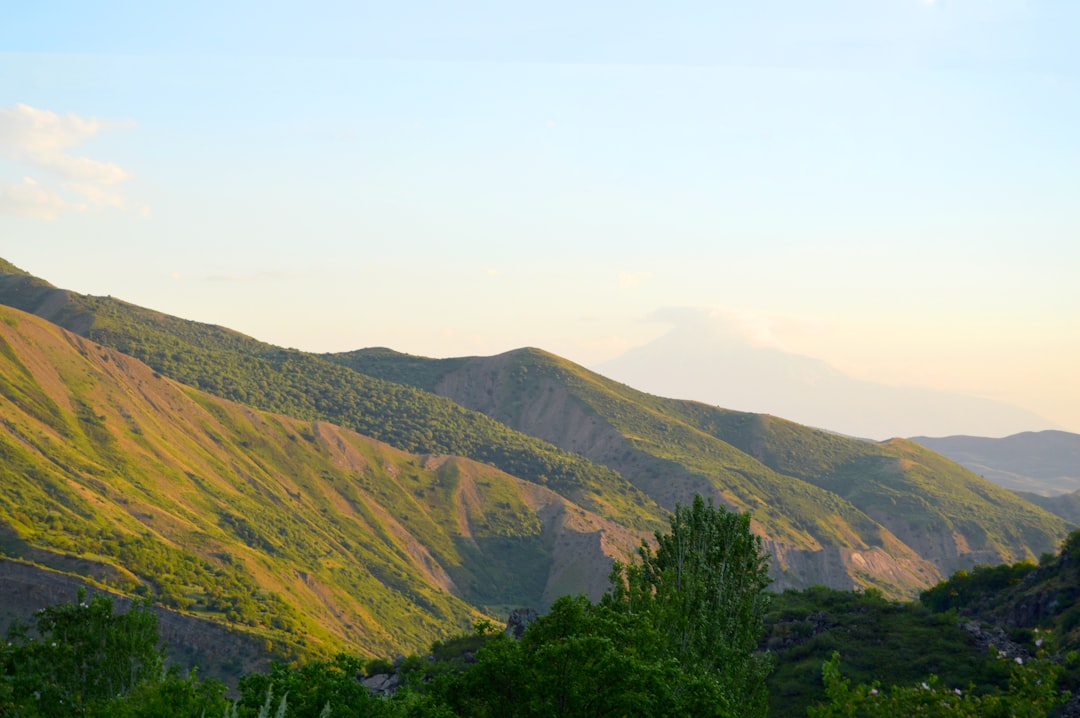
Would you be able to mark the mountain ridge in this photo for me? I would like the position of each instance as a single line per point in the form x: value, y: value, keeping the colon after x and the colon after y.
x: 739, y: 458
x: 116, y: 472
x: 590, y: 466
x: 1045, y: 462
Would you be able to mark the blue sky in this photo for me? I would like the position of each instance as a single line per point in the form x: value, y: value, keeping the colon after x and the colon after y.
x: 889, y: 186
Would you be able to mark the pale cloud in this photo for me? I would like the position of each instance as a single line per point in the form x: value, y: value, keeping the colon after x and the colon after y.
x: 42, y: 138
x: 43, y: 141
x: 98, y: 196
x: 634, y: 280
x: 492, y: 273
x: 28, y: 199
x: 754, y: 328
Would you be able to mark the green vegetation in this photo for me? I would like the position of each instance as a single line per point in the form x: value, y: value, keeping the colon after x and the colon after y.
x: 305, y: 386
x: 904, y: 645
x: 580, y: 659
x: 808, y: 488
x: 703, y: 591
x: 618, y: 657
x: 312, y: 538
x: 82, y: 659
x: 1031, y: 693
x: 1023, y: 595
x: 877, y: 638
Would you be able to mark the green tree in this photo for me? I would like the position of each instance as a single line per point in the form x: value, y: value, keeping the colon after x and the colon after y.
x: 310, y: 688
x: 580, y: 661
x: 703, y: 589
x: 82, y: 659
x: 83, y: 653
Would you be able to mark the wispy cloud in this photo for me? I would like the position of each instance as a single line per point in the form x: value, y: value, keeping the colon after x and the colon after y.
x: 28, y: 199
x: 43, y: 142
x: 754, y: 328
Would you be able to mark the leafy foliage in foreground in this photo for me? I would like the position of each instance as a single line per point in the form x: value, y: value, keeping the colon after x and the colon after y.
x: 703, y: 590
x: 580, y: 659
x: 877, y: 638
x: 82, y: 659
x: 584, y: 660
x: 1031, y: 693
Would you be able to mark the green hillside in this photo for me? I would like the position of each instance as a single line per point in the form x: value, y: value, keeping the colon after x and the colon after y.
x: 312, y: 536
x: 236, y: 367
x: 833, y: 510
x: 909, y: 515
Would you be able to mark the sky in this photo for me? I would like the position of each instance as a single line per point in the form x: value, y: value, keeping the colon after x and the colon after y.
x: 888, y: 186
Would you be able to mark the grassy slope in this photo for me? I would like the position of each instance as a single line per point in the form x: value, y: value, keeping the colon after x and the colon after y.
x: 935, y: 505
x: 809, y: 488
x: 236, y: 367
x: 314, y: 536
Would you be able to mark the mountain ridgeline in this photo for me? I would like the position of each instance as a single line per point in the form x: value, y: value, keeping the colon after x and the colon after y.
x: 378, y: 501
x: 307, y: 534
x: 1040, y: 462
x: 835, y: 510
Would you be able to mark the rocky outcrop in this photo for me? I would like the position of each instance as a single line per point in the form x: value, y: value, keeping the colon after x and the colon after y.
x: 519, y: 620
x: 382, y: 684
x: 895, y: 572
x: 987, y: 637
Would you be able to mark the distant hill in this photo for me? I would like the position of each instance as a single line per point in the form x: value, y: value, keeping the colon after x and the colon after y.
x: 834, y: 510
x: 1040, y: 462
x: 708, y: 358
x: 1067, y: 506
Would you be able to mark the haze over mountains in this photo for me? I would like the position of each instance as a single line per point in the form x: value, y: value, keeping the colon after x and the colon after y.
x: 711, y: 358
x: 1041, y: 462
x: 373, y: 499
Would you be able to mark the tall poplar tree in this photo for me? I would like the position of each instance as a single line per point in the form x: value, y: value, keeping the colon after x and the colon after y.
x: 703, y: 588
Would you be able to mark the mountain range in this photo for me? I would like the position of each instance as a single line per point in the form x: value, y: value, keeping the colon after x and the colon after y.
x: 378, y: 501
x: 1041, y: 462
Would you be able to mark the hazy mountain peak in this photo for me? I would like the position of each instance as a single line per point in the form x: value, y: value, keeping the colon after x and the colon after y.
x: 734, y: 360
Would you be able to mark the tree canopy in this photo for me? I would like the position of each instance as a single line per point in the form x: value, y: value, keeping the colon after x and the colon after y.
x: 703, y: 590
